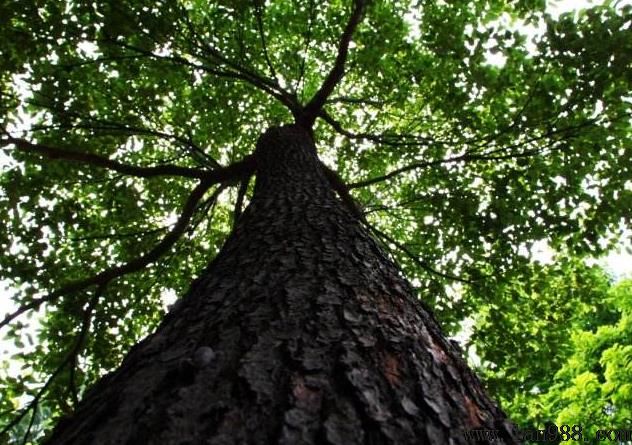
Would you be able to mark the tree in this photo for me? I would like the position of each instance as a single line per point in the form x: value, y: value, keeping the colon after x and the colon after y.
x: 585, y: 379
x: 593, y: 386
x: 457, y: 164
x: 540, y: 315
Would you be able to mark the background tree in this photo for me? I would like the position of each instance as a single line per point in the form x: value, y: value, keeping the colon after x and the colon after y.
x: 111, y: 110
x: 593, y: 386
x: 569, y: 327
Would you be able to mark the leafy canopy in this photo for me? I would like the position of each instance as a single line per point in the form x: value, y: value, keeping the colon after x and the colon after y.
x: 127, y: 129
x: 570, y: 332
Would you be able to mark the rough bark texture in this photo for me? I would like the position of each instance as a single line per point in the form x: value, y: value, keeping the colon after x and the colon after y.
x: 301, y: 331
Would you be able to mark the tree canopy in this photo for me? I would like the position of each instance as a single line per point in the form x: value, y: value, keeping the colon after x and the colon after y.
x: 565, y: 355
x: 466, y: 132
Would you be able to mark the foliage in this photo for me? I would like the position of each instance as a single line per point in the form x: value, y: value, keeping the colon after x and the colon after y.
x: 594, y: 388
x: 113, y: 111
x: 536, y: 314
x: 572, y: 365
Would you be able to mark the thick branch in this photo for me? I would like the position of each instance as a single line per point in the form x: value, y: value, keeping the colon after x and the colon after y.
x: 394, y: 140
x: 234, y: 71
x: 232, y: 172
x: 239, y: 203
x: 337, y: 71
x: 491, y: 155
x: 101, y: 161
x: 342, y: 189
x: 133, y: 266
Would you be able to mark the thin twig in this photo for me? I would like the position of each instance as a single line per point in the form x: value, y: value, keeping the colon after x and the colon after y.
x: 120, y: 235
x: 308, y: 40
x: 421, y: 263
x: 262, y: 35
x: 33, y: 404
x: 234, y: 71
x: 205, y: 207
x: 355, y: 101
x: 117, y: 127
x: 395, y: 140
x: 27, y: 433
x: 98, y: 60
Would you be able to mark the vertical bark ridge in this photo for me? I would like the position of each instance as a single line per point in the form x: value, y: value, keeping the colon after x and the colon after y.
x: 301, y: 331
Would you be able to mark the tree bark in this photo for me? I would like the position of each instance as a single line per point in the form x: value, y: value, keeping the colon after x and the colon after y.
x: 301, y: 331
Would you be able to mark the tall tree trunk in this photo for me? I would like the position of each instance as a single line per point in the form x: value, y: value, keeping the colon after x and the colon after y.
x: 301, y: 331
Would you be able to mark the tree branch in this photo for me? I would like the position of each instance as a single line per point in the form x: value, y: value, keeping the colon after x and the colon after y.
x: 234, y: 71
x: 91, y: 123
x: 312, y: 109
x: 462, y: 158
x: 355, y: 101
x: 394, y: 140
x: 141, y: 233
x: 101, y: 161
x: 239, y: 202
x: 421, y: 263
x: 70, y: 359
x: 262, y: 35
x: 232, y: 172
x: 491, y: 155
x: 206, y: 207
x: 342, y: 189
x: 83, y: 333
x: 98, y: 60
x: 133, y: 266
x: 106, y: 125
x: 308, y: 40
x: 407, y: 168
